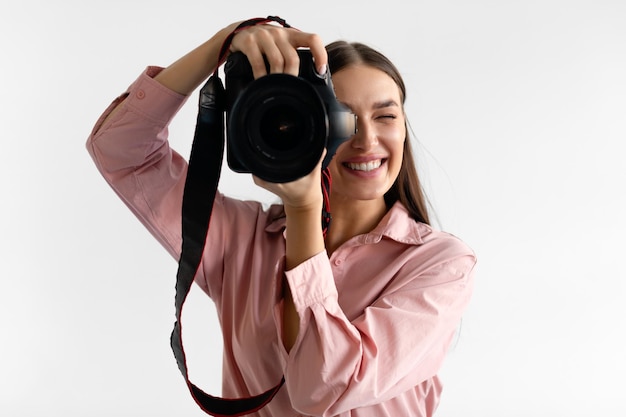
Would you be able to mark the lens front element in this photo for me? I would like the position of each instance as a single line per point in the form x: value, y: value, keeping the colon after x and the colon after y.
x: 278, y: 128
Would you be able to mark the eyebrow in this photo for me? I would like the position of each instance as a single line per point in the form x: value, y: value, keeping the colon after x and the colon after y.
x: 377, y: 105
x: 385, y: 103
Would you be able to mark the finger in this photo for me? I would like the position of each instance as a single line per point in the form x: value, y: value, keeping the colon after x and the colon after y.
x: 320, y: 162
x: 257, y: 63
x: 280, y: 52
x: 274, y: 57
x: 247, y: 42
x: 291, y: 59
x: 316, y: 45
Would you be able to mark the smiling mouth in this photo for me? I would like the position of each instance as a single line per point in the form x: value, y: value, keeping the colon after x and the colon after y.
x: 364, y: 166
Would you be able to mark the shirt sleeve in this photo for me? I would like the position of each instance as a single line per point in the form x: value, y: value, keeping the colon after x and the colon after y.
x: 398, y: 342
x: 132, y: 153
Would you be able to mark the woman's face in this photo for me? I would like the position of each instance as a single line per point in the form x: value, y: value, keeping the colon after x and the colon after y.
x: 366, y: 166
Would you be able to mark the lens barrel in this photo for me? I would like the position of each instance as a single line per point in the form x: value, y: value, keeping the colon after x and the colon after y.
x: 277, y: 128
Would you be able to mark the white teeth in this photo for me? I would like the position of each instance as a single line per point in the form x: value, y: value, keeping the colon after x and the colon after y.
x: 364, y: 166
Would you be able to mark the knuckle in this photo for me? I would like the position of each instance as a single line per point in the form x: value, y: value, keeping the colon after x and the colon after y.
x: 245, y: 39
x: 314, y: 38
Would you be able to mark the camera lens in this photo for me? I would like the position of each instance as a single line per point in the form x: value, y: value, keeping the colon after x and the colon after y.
x: 278, y: 127
x: 281, y: 127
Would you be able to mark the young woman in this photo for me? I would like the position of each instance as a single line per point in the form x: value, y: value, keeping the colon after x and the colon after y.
x: 358, y: 320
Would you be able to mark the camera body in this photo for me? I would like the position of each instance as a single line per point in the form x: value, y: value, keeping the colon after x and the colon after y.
x: 278, y: 125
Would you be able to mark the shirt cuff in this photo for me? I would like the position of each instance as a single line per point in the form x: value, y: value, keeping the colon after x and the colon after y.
x: 152, y: 99
x: 311, y: 282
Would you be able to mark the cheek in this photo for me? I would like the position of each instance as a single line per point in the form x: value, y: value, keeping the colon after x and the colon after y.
x: 333, y: 162
x: 332, y: 166
x: 397, y: 147
x: 395, y: 142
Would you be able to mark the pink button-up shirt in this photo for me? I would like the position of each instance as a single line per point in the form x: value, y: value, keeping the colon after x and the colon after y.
x: 376, y: 318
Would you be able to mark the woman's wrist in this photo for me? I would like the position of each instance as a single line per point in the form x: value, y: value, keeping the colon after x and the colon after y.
x: 304, y: 236
x: 303, y: 207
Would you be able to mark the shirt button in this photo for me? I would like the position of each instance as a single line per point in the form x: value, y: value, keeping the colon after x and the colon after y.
x: 140, y: 94
x: 338, y: 262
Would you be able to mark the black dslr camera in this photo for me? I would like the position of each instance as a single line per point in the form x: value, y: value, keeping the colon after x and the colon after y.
x: 279, y: 125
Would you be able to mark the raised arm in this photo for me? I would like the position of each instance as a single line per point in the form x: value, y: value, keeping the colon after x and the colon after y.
x: 129, y: 142
x: 278, y: 44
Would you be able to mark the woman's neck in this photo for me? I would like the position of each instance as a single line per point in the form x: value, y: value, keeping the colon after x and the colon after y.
x: 352, y: 218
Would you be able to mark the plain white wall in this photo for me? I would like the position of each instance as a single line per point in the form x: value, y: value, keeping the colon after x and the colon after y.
x: 519, y: 109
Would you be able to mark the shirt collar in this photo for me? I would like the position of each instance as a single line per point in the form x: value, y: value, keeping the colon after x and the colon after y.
x: 398, y: 225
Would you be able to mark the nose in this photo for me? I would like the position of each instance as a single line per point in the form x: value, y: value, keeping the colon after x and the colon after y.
x: 365, y: 137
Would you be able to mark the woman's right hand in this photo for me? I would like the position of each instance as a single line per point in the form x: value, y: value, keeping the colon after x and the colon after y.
x: 279, y: 45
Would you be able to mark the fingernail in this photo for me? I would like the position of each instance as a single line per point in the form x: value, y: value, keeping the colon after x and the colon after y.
x: 322, y: 70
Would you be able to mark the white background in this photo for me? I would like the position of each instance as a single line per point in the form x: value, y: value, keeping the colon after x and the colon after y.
x: 519, y: 113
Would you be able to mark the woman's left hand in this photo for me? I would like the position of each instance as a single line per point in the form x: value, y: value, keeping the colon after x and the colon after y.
x: 303, y: 193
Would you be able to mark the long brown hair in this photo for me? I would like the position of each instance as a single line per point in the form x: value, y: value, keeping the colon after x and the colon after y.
x: 407, y: 188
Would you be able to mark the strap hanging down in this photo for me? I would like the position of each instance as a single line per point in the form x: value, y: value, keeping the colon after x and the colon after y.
x: 205, y: 163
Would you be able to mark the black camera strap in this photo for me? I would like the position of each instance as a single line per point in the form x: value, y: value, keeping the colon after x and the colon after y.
x: 203, y: 173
